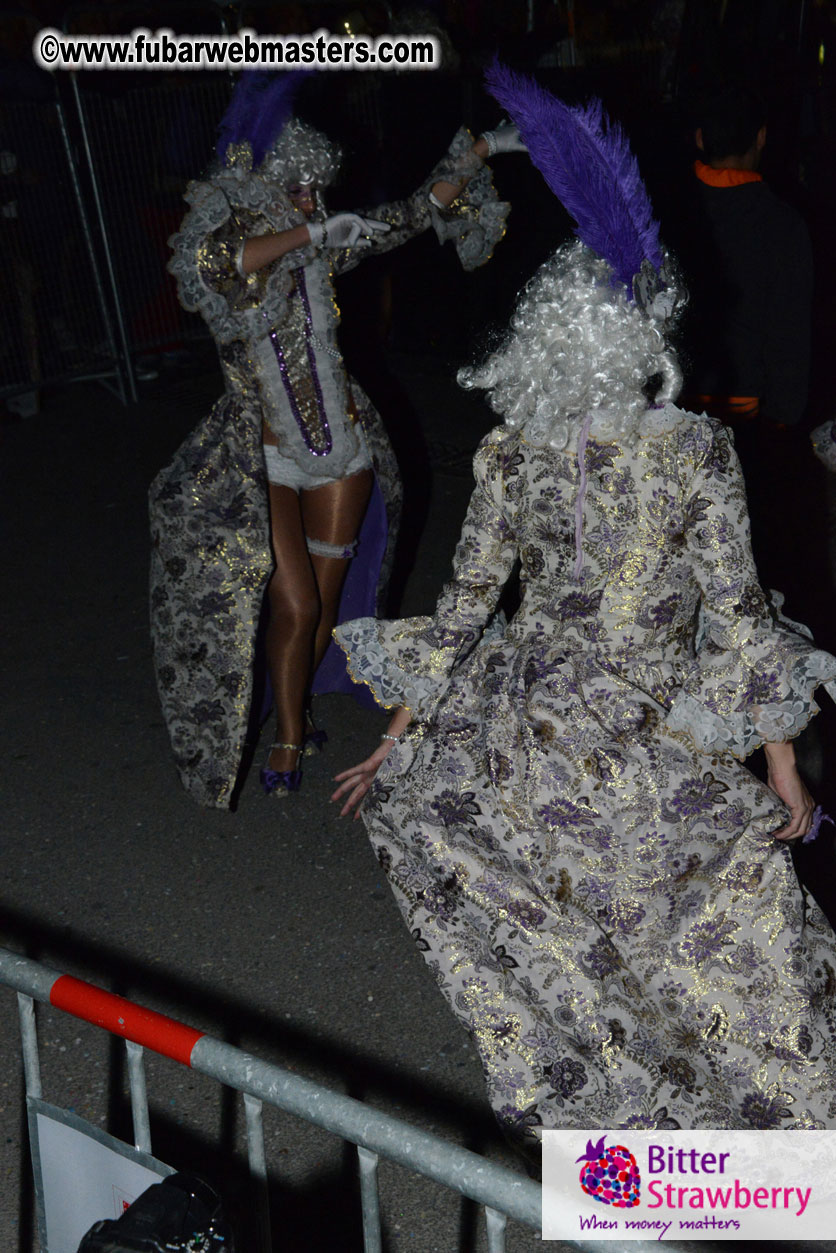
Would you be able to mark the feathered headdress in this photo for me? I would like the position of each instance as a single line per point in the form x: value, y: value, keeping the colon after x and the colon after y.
x: 587, y: 163
x: 260, y: 106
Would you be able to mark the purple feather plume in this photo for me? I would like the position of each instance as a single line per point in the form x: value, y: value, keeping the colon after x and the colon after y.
x: 260, y: 106
x: 587, y: 163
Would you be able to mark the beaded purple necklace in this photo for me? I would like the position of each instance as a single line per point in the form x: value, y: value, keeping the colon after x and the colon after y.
x: 301, y: 288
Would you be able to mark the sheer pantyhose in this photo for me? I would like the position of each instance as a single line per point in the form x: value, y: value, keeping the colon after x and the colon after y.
x: 304, y: 592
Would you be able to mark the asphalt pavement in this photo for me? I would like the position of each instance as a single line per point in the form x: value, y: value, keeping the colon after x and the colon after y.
x: 270, y: 927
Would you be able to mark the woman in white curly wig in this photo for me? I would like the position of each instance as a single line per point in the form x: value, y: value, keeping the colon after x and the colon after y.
x: 292, y: 469
x: 602, y: 890
x: 574, y: 348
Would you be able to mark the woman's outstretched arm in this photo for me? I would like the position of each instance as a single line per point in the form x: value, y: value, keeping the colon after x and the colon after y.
x: 263, y: 250
x: 356, y: 781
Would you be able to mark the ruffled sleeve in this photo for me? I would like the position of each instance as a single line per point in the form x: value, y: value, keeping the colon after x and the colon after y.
x: 409, y: 661
x: 224, y: 213
x: 218, y: 260
x: 474, y: 222
x: 823, y: 439
x: 755, y: 672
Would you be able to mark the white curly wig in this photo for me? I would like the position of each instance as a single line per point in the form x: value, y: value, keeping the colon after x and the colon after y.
x: 301, y: 154
x: 576, y: 345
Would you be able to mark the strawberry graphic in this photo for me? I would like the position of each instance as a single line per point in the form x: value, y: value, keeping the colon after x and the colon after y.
x: 610, y: 1174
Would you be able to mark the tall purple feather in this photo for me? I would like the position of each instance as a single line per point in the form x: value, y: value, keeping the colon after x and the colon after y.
x: 259, y: 108
x: 587, y: 163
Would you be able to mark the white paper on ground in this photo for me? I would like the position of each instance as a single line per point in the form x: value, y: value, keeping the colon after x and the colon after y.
x: 82, y: 1175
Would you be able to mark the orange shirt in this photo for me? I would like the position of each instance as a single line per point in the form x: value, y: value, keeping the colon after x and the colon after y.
x: 724, y: 178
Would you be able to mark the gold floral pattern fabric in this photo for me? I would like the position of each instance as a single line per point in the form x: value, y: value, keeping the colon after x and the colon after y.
x: 211, y: 557
x: 210, y: 564
x: 583, y: 862
x: 216, y: 261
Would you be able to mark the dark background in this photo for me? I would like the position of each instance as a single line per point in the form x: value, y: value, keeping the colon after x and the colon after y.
x: 271, y: 927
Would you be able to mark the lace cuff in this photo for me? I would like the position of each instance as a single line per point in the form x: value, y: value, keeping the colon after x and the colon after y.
x: 475, y: 221
x: 459, y: 161
x: 774, y: 705
x: 380, y: 655
x: 208, y: 249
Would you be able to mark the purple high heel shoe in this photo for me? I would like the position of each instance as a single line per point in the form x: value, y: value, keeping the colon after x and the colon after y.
x: 279, y: 782
x: 315, y: 739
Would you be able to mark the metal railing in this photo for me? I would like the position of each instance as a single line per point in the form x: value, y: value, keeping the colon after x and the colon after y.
x: 139, y: 150
x: 501, y: 1192
x: 55, y: 322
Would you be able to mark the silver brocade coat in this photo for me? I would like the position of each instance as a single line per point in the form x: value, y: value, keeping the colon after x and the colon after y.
x: 583, y: 862
x: 276, y: 333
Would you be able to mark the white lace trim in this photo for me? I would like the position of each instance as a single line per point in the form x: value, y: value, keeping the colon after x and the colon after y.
x: 740, y: 733
x: 475, y: 232
x: 212, y: 203
x: 370, y: 663
x: 333, y: 382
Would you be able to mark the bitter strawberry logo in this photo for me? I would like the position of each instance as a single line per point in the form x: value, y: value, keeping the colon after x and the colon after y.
x: 610, y: 1174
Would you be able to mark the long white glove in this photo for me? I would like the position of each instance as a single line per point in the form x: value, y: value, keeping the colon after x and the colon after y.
x: 344, y: 230
x: 506, y: 138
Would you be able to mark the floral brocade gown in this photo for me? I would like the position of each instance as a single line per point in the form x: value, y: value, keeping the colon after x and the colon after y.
x: 577, y: 850
x: 276, y: 331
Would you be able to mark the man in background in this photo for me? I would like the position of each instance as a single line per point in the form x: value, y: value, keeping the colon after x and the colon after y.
x: 752, y: 341
x: 749, y: 269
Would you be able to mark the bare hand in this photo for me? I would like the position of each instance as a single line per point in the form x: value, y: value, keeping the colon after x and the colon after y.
x: 356, y: 781
x: 787, y: 783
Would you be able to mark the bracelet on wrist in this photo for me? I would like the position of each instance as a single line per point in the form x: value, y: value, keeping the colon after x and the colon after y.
x: 393, y: 738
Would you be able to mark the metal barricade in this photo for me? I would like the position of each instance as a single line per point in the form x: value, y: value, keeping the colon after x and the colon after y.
x: 141, y: 147
x: 93, y: 166
x: 501, y: 1192
x: 55, y: 323
x: 92, y: 173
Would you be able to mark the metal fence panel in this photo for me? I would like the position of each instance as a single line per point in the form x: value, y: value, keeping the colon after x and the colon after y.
x: 54, y: 323
x: 502, y: 1192
x: 142, y: 147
